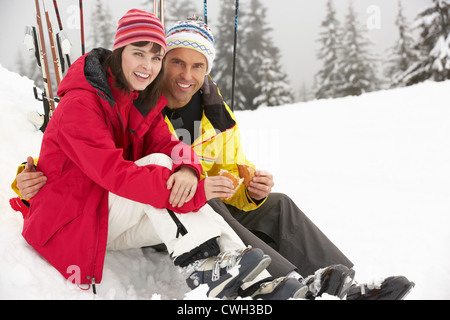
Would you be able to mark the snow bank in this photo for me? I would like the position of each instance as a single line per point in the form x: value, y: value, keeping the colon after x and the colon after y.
x: 372, y: 172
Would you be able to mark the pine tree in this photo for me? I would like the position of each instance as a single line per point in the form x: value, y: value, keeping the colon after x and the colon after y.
x: 403, y: 54
x: 260, y: 79
x: 180, y: 10
x: 223, y: 65
x: 253, y: 50
x: 358, y: 65
x: 103, y: 29
x: 303, y: 93
x: 147, y: 5
x: 271, y: 87
x: 434, y: 44
x: 330, y: 77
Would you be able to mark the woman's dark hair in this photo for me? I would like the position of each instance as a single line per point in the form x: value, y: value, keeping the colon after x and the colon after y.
x: 150, y: 96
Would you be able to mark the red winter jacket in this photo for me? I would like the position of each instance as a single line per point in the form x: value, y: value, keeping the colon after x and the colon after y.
x: 88, y: 150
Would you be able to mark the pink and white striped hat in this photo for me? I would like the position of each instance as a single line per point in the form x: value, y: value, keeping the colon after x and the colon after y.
x: 137, y: 25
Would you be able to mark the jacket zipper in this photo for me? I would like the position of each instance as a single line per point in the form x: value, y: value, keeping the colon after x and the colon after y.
x: 94, y: 289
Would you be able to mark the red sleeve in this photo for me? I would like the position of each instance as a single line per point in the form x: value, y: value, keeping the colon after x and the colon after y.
x: 86, y: 140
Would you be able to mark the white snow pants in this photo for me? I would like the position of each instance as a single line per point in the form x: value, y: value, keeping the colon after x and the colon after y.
x: 136, y: 225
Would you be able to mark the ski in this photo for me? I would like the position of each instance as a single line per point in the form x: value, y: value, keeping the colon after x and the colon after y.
x: 62, y: 41
x: 55, y: 54
x: 35, y: 41
x: 159, y: 10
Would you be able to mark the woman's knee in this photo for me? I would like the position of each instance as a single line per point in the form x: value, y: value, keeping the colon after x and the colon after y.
x: 159, y: 159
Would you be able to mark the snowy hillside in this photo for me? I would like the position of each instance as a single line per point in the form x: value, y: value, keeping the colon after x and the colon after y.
x: 372, y: 172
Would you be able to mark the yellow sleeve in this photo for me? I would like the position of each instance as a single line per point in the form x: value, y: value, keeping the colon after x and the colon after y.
x: 19, y: 170
x: 232, y: 154
x: 241, y: 198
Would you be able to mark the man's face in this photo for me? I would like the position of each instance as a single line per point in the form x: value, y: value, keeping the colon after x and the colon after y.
x: 184, y: 74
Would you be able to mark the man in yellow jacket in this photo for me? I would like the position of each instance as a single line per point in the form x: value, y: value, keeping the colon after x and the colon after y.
x: 198, y: 116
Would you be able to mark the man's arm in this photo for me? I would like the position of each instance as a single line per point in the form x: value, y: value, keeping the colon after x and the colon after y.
x: 29, y: 181
x: 230, y: 153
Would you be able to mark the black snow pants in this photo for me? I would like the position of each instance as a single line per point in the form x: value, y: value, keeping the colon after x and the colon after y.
x: 285, y: 233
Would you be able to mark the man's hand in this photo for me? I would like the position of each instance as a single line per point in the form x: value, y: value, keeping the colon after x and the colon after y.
x: 261, y: 185
x: 183, y: 184
x: 30, y: 181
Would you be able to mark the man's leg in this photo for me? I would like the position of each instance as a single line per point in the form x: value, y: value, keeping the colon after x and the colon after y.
x: 296, y: 237
x: 279, y: 267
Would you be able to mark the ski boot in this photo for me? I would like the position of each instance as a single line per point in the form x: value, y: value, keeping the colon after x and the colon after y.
x: 334, y: 280
x: 392, y: 288
x: 225, y: 273
x: 283, y: 288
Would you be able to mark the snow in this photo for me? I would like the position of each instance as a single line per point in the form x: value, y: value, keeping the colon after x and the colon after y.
x: 371, y: 171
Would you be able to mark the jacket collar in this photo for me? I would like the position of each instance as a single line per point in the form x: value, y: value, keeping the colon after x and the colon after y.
x: 95, y: 73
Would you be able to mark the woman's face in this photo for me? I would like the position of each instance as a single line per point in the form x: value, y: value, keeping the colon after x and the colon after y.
x: 140, y: 66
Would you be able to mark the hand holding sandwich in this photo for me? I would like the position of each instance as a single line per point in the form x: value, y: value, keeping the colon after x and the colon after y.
x: 261, y: 185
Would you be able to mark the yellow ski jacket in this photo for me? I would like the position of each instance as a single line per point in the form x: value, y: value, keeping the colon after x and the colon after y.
x: 218, y: 145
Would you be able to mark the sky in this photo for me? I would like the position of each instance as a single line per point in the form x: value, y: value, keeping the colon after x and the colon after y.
x: 296, y: 27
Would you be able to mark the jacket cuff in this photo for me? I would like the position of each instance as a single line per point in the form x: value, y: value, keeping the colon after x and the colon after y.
x: 256, y: 203
x: 198, y: 169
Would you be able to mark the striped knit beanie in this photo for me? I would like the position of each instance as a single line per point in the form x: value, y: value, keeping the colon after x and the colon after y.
x: 193, y: 34
x: 137, y: 25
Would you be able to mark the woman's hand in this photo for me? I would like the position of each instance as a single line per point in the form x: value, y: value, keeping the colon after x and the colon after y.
x: 218, y: 187
x: 183, y: 184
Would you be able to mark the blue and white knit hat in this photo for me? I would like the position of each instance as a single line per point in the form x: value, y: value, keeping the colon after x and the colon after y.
x: 192, y: 34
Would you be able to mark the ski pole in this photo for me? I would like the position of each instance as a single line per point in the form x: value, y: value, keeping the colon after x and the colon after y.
x: 205, y: 11
x: 58, y: 17
x: 236, y: 18
x: 82, y: 28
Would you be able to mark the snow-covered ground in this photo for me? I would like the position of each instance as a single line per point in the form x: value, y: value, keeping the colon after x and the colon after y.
x: 372, y: 172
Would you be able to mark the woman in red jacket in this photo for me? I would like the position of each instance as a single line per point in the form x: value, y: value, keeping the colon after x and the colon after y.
x: 114, y: 168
